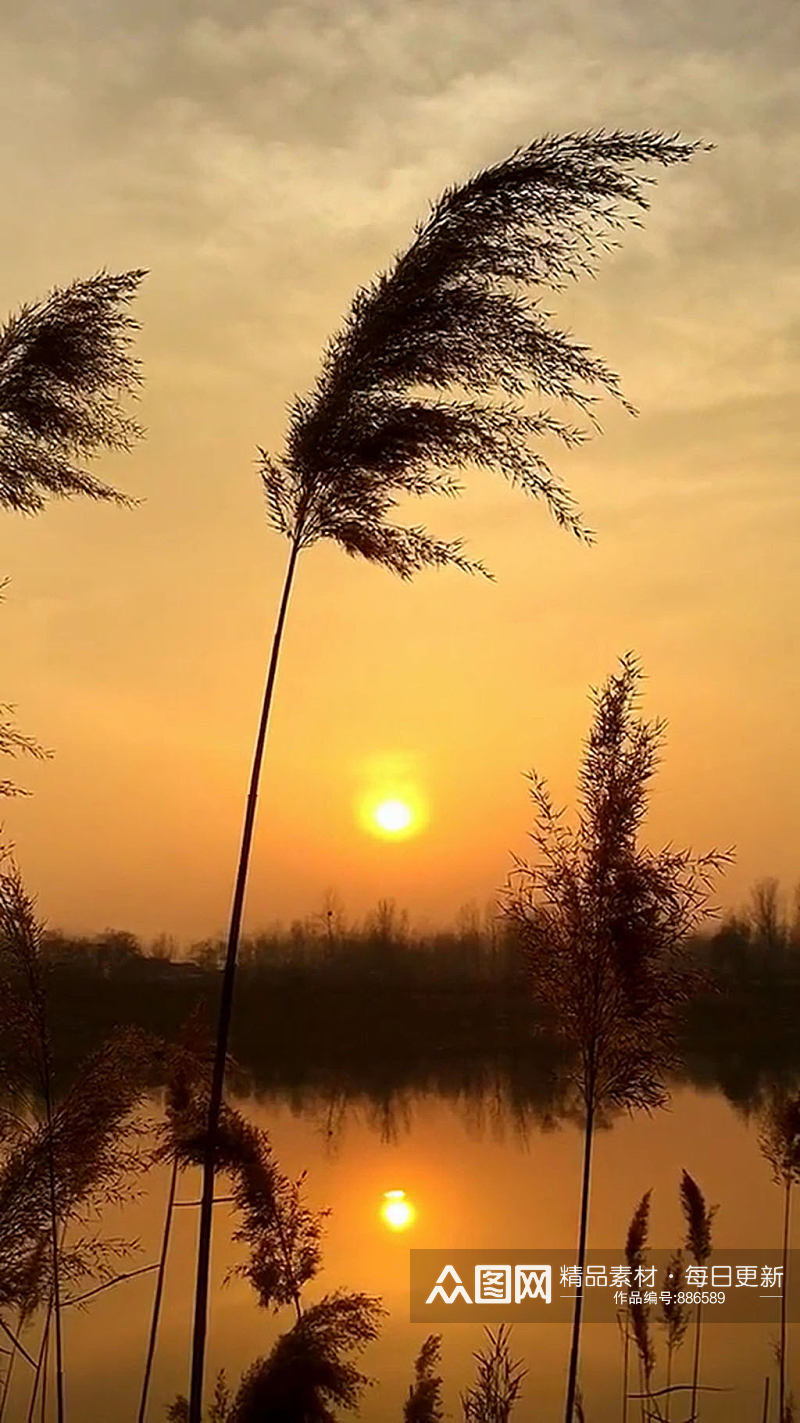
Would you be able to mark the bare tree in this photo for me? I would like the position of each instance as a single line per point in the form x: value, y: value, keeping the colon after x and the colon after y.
x: 603, y: 922
x: 766, y: 918
x: 451, y: 315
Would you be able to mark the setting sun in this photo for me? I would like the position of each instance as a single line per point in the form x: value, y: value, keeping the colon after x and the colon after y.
x: 393, y: 816
x: 397, y: 1212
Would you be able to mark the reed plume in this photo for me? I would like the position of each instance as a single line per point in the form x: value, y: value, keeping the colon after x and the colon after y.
x: 451, y: 315
x: 698, y: 1217
x: 498, y: 1381
x: 424, y: 1401
x: 637, y: 1323
x: 779, y: 1140
x: 603, y: 924
x: 308, y: 1373
x: 65, y: 364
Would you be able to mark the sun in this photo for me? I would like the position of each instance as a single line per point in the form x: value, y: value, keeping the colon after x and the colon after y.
x: 393, y: 817
x: 397, y: 1212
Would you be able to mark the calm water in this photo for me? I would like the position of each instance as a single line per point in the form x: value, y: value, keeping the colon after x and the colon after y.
x: 477, y: 1180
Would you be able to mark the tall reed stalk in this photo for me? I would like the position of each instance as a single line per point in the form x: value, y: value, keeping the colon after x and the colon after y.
x: 698, y: 1217
x: 159, y: 1289
x: 779, y: 1140
x: 602, y: 922
x: 449, y: 316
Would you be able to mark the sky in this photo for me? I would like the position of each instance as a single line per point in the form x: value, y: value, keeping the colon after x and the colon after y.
x: 262, y: 163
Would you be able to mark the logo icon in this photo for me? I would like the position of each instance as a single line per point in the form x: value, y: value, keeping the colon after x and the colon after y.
x: 457, y: 1293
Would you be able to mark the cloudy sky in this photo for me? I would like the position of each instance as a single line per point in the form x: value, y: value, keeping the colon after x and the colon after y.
x: 262, y: 163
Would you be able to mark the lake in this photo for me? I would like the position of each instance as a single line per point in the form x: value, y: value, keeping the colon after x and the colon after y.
x: 478, y: 1177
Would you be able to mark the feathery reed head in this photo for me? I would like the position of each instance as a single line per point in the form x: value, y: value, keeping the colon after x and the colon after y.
x: 636, y: 1239
x: 65, y: 363
x: 639, y: 1313
x: 452, y: 315
x: 698, y: 1217
x: 603, y: 920
x: 779, y: 1138
x: 424, y: 1401
x: 308, y: 1374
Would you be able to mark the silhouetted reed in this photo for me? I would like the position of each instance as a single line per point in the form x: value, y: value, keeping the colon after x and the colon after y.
x: 77, y: 1158
x: 603, y: 923
x: 498, y: 1381
x: 636, y: 1316
x: 449, y: 315
x: 698, y: 1217
x: 779, y: 1141
x: 65, y: 363
x: 424, y: 1401
x: 309, y: 1370
x: 186, y: 1063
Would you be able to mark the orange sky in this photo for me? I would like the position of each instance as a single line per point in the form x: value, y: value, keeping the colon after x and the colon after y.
x: 262, y: 166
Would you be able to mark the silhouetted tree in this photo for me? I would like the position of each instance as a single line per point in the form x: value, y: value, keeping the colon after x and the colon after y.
x: 603, y: 923
x: 449, y: 315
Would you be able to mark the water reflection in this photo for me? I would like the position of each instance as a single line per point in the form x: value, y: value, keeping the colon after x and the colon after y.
x: 482, y: 1166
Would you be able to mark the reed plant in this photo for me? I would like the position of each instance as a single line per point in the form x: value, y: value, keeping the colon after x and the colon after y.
x: 60, y: 1170
x: 779, y: 1140
x: 498, y: 1381
x: 603, y: 923
x: 424, y: 1401
x: 310, y: 1369
x: 698, y: 1217
x: 426, y: 377
x: 637, y: 1314
x: 65, y: 366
